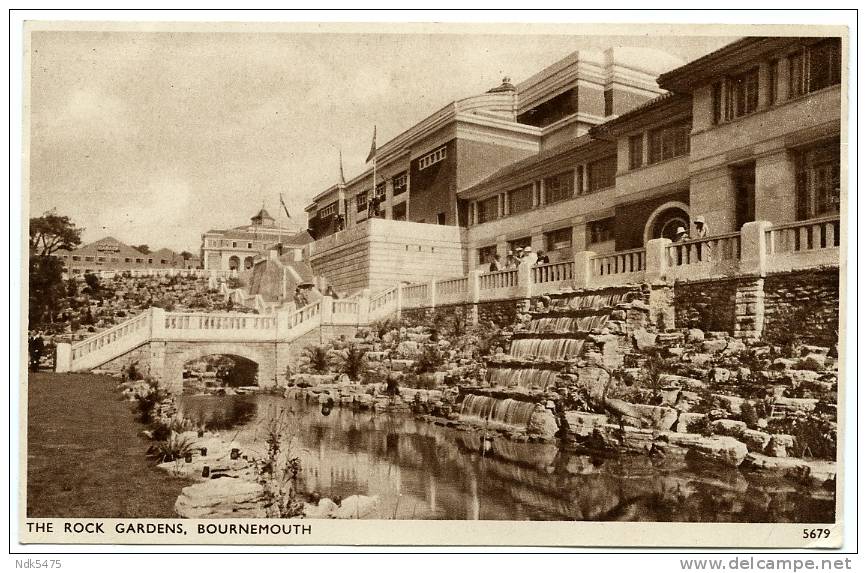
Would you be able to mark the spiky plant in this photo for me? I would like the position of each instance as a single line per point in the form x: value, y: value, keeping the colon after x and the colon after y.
x: 317, y: 359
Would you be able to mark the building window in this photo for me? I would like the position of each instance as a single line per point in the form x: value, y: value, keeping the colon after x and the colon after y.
x: 559, y: 187
x: 488, y: 209
x: 486, y: 254
x: 601, y: 173
x: 249, y: 245
x: 127, y: 260
x: 516, y: 245
x: 163, y: 261
x: 115, y: 260
x: 361, y: 201
x: 818, y: 183
x: 379, y: 191
x: 815, y: 67
x: 441, y: 218
x: 76, y: 258
x: 234, y: 245
x: 742, y: 94
x: 521, y: 200
x: 88, y: 259
x: 579, y: 175
x: 773, y: 78
x: 436, y: 156
x: 398, y: 184
x: 636, y: 151
x: 559, y: 239
x: 600, y: 231
x: 100, y: 259
x: 398, y: 212
x: 609, y: 102
x: 139, y: 260
x: 716, y: 101
x: 668, y: 142
x: 150, y: 261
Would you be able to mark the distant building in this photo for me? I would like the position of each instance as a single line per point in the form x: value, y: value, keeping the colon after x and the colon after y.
x: 237, y: 248
x: 109, y: 254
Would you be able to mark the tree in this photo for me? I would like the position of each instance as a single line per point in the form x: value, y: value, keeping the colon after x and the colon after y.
x: 186, y: 255
x: 46, y: 290
x: 51, y: 232
x: 143, y: 249
x: 92, y: 281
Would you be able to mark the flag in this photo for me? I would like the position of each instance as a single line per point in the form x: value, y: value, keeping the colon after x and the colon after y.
x: 372, y: 154
x: 342, y: 178
x: 285, y: 208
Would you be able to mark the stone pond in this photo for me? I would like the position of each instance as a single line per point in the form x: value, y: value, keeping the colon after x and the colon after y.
x: 422, y: 470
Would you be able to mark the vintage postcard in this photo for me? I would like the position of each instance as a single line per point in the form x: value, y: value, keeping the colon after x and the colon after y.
x: 339, y: 283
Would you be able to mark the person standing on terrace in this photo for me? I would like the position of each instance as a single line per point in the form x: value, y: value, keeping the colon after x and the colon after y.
x: 496, y: 264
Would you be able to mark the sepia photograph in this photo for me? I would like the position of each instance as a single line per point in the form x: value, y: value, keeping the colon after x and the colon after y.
x: 281, y: 278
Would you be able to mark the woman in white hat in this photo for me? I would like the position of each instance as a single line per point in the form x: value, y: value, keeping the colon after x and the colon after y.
x: 701, y: 229
x: 681, y: 235
x: 529, y: 256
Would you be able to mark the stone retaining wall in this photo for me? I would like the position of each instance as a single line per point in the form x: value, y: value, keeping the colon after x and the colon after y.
x: 803, y: 302
x: 707, y: 304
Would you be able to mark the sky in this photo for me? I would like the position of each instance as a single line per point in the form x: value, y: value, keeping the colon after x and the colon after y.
x: 156, y: 137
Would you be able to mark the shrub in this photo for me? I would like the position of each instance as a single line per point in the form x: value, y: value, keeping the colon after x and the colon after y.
x: 174, y: 448
x: 316, y: 358
x: 353, y: 362
x: 429, y: 359
x: 701, y: 426
x: 147, y: 400
x: 814, y: 437
x: 278, y: 472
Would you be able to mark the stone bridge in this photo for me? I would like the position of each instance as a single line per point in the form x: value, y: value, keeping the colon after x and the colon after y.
x: 159, y: 343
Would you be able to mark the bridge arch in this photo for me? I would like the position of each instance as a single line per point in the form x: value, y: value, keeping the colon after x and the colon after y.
x: 179, y: 354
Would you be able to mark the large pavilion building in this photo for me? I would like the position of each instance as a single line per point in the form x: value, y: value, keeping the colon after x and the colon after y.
x: 596, y: 153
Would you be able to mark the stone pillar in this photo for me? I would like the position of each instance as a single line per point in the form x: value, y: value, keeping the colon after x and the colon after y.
x: 656, y: 260
x: 433, y: 293
x: 158, y: 323
x: 473, y: 289
x: 326, y: 310
x: 398, y: 298
x: 583, y: 270
x: 525, y: 280
x: 776, y: 188
x: 281, y: 329
x: 63, y: 359
x: 364, y: 307
x: 753, y: 248
x: 750, y: 308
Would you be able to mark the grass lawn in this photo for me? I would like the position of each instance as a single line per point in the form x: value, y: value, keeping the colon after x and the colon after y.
x: 85, y: 455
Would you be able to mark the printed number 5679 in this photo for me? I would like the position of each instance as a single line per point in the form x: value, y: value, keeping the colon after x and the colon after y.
x: 817, y: 533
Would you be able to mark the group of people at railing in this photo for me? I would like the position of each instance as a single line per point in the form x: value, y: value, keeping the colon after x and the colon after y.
x: 515, y: 258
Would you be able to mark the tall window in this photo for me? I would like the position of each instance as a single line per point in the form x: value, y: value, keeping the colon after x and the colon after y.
x: 819, y: 180
x: 486, y: 254
x: 601, y: 173
x: 742, y: 94
x: 580, y: 177
x: 521, y: 199
x: 488, y: 209
x: 361, y: 201
x: 600, y: 231
x: 716, y: 95
x: 398, y: 184
x: 773, y: 78
x: 559, y: 187
x: 608, y: 95
x: 379, y: 191
x: 520, y: 244
x: 815, y: 67
x: 559, y: 239
x: 668, y: 142
x: 398, y: 212
x: 636, y: 151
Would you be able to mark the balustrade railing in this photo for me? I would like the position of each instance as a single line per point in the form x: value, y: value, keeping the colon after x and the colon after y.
x: 209, y: 321
x: 384, y: 300
x: 498, y: 279
x: 304, y: 314
x: 803, y: 244
x: 345, y: 306
x: 726, y: 247
x: 554, y: 272
x: 617, y: 263
x: 122, y: 331
x: 416, y: 293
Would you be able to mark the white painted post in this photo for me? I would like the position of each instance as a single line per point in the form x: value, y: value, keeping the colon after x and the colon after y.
x: 398, y: 299
x: 433, y: 293
x: 281, y: 329
x: 364, y: 307
x: 63, y: 360
x: 326, y: 310
x: 583, y: 269
x: 656, y: 261
x: 753, y: 248
x: 474, y: 280
x: 158, y: 323
x: 525, y: 279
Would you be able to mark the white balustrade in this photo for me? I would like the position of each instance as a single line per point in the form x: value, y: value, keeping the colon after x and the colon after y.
x: 714, y: 256
x: 618, y: 268
x: 803, y: 244
x: 452, y: 291
x: 416, y: 295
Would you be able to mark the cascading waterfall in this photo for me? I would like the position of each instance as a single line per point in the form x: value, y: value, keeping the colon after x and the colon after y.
x: 551, y: 348
x: 522, y: 377
x: 567, y: 324
x: 486, y: 409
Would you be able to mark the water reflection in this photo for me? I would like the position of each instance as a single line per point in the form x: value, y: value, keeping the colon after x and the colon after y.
x: 424, y: 471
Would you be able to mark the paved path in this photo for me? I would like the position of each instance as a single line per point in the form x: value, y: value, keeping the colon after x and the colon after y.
x: 85, y: 456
